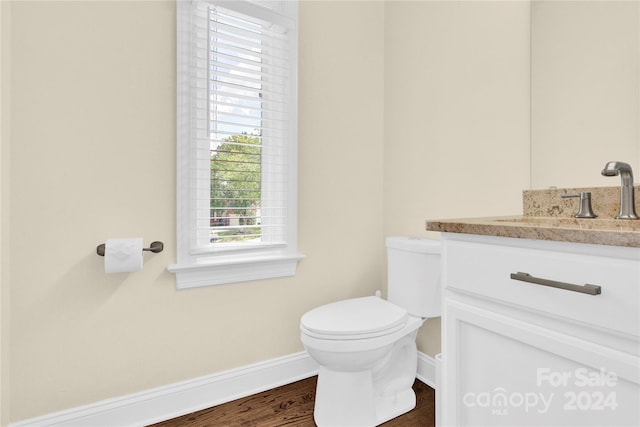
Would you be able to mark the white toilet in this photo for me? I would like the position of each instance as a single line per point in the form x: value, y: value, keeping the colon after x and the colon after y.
x: 366, y: 346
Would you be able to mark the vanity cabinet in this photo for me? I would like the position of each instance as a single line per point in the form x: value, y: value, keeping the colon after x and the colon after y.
x: 517, y: 353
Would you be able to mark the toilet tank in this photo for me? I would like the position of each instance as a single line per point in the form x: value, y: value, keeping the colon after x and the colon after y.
x: 413, y: 280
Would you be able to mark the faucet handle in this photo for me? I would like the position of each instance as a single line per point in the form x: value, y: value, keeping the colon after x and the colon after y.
x: 585, y: 210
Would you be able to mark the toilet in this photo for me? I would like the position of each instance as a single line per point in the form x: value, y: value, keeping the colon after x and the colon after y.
x: 366, y: 347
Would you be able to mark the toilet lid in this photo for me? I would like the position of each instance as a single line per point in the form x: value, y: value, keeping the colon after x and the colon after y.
x: 365, y: 317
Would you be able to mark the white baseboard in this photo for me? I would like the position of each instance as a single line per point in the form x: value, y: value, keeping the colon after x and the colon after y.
x: 182, y: 398
x: 427, y: 370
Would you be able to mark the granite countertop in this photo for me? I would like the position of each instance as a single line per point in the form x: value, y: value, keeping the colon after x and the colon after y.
x: 549, y: 217
x: 595, y: 231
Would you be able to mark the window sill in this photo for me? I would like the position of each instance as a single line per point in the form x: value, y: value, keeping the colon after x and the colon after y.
x: 249, y: 269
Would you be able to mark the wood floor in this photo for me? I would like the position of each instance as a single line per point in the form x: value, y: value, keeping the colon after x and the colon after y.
x: 292, y: 405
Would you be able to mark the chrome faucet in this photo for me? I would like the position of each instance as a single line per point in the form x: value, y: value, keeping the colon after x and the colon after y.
x: 627, y: 202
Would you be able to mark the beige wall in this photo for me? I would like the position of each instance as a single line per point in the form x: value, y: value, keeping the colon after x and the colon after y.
x: 403, y: 108
x: 456, y: 115
x: 4, y: 217
x: 585, y: 91
x: 93, y: 156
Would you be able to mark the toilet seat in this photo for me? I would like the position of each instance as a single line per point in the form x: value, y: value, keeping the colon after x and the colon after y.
x: 353, y: 319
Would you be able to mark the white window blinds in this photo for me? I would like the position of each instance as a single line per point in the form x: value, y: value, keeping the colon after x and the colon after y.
x: 237, y: 130
x: 242, y: 127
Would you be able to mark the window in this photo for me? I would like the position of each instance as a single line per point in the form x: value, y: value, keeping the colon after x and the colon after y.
x: 237, y: 131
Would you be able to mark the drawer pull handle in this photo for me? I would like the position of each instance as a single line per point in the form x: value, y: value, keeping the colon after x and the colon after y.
x: 585, y: 289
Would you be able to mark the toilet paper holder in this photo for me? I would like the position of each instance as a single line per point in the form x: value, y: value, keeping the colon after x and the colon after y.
x: 154, y: 247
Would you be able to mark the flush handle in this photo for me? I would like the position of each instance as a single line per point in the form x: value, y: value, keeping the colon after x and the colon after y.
x: 585, y: 289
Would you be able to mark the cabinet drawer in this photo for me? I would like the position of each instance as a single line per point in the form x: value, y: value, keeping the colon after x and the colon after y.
x: 485, y: 269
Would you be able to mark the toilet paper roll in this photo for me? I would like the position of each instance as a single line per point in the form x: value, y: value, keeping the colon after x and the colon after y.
x: 123, y: 255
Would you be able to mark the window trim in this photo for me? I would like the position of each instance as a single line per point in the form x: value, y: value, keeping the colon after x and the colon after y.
x: 194, y: 267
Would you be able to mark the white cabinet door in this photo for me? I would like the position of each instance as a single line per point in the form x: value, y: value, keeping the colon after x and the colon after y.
x: 500, y: 371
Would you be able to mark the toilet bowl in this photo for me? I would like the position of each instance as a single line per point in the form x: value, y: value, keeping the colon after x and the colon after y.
x: 368, y: 360
x: 365, y: 347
